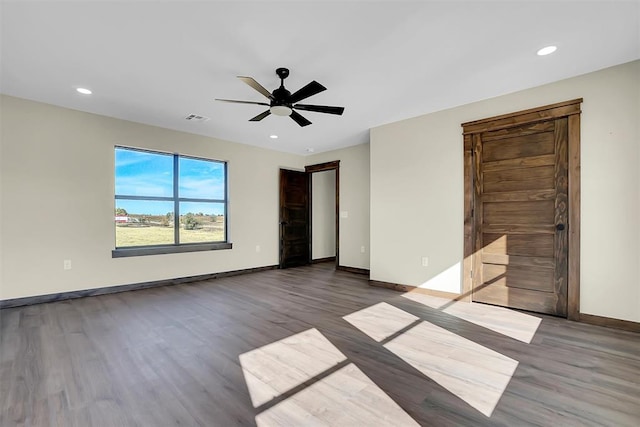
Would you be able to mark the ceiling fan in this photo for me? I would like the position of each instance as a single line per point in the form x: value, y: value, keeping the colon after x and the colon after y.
x: 284, y: 103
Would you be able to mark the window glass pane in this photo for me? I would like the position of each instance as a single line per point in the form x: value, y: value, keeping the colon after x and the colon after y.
x: 201, y: 222
x: 201, y: 179
x: 143, y: 223
x: 139, y: 173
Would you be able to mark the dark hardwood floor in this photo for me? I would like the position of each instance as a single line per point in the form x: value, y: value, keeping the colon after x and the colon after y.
x: 307, y: 346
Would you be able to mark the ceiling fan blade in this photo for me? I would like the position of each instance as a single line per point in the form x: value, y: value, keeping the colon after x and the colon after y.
x: 309, y: 90
x: 242, y: 102
x: 299, y: 119
x: 257, y: 86
x: 320, y: 109
x: 260, y: 116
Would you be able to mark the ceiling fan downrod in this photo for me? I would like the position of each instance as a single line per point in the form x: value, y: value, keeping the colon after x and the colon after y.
x: 283, y: 73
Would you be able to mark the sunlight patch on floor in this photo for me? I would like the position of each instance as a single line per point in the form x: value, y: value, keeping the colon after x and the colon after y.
x: 474, y: 373
x: 296, y: 382
x: 514, y: 324
x: 381, y: 320
x: 276, y: 368
x: 346, y: 397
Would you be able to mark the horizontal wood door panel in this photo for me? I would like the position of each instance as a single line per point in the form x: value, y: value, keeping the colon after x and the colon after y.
x: 518, y: 147
x: 296, y: 253
x: 536, y: 212
x: 543, y: 160
x: 519, y: 179
x: 518, y: 131
x: 520, y: 196
x: 511, y: 229
x: 518, y: 173
x: 525, y: 299
x: 536, y: 245
x: 533, y: 261
x: 516, y: 276
x: 295, y: 212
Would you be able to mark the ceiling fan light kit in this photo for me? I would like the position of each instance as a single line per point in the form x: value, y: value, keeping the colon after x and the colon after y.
x: 284, y: 103
x: 281, y: 110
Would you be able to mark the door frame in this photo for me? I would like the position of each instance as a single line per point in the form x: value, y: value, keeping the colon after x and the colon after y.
x: 323, y: 167
x: 569, y: 109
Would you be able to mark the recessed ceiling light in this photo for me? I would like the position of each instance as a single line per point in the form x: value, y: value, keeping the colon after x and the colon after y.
x: 273, y: 136
x: 84, y: 91
x: 547, y: 50
x: 310, y: 150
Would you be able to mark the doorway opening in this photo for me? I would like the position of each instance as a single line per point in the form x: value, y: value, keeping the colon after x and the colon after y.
x: 322, y: 217
x: 324, y: 208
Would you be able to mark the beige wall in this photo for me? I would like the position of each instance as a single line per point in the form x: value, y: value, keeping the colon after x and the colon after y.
x: 323, y: 214
x: 56, y: 182
x: 417, y: 190
x: 354, y: 201
x: 57, y: 186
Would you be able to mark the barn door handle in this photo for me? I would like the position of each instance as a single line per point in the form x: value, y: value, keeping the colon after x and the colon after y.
x: 560, y: 227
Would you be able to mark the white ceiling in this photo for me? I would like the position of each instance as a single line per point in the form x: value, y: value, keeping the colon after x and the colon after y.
x: 156, y: 62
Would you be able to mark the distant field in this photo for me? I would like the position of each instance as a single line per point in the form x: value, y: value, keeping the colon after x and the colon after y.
x: 143, y: 236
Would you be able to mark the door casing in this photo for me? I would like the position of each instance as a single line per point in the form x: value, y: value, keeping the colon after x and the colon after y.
x: 321, y: 167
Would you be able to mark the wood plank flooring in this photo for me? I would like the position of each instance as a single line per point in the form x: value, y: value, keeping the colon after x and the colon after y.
x: 307, y: 346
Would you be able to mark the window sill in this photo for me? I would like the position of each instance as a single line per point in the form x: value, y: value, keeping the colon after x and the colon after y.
x: 174, y: 249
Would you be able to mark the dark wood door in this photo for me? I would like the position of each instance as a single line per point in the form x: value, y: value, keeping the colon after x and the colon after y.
x: 294, y: 218
x: 520, y: 213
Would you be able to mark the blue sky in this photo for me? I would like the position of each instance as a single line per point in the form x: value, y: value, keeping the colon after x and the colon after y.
x: 138, y: 173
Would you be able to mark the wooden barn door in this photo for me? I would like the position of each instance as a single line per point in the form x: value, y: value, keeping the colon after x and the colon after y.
x: 520, y: 212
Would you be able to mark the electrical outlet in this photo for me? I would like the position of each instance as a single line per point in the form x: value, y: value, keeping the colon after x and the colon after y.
x: 67, y: 264
x: 361, y: 249
x: 258, y: 248
x: 425, y: 261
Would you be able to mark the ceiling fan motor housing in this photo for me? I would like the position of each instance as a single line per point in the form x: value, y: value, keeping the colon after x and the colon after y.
x: 280, y: 96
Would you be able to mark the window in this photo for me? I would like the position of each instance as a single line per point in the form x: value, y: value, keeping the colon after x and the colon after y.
x: 168, y: 203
